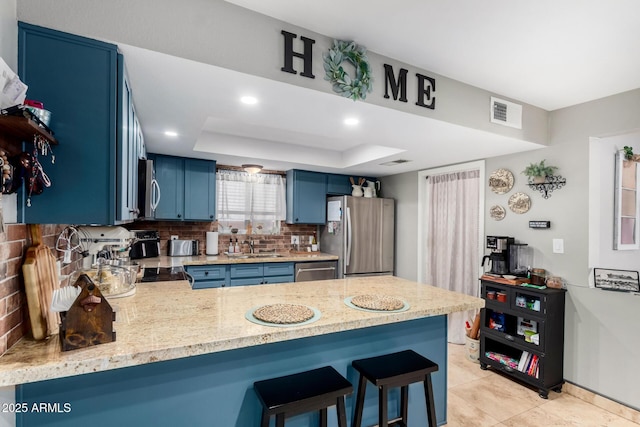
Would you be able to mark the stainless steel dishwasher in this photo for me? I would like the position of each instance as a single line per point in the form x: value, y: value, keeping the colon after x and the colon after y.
x: 322, y: 270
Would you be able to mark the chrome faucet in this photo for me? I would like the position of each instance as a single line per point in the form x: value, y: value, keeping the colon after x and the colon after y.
x: 251, y: 250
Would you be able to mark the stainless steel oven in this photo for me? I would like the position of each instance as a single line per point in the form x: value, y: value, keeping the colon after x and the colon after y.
x: 322, y: 270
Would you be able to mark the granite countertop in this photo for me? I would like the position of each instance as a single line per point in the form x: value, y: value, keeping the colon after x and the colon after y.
x: 174, y: 261
x: 169, y: 320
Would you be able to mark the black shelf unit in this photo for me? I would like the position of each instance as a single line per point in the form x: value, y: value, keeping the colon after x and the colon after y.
x: 546, y: 308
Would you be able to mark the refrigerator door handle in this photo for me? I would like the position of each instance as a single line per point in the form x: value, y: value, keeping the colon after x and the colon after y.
x: 348, y: 257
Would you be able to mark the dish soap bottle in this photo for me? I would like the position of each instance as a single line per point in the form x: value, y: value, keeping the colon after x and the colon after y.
x: 237, y: 247
x: 230, y: 246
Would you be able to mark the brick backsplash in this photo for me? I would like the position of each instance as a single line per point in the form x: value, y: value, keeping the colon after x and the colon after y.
x: 197, y: 231
x: 14, y: 317
x: 14, y: 321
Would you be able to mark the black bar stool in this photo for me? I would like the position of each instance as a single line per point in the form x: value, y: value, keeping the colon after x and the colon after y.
x: 313, y: 390
x: 394, y: 370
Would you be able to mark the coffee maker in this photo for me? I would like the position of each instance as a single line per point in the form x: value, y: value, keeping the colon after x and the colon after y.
x: 499, y: 256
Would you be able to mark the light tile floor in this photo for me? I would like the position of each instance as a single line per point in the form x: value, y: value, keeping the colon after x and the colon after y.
x: 478, y: 398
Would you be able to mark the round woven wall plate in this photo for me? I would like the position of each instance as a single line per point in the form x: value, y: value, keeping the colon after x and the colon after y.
x: 376, y: 303
x: 519, y: 203
x: 497, y: 212
x: 501, y: 181
x: 282, y: 315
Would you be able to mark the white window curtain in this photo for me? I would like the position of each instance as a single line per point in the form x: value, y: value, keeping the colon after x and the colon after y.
x: 258, y: 198
x: 451, y: 238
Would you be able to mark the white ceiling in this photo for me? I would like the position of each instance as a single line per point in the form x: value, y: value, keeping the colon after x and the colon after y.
x: 547, y: 53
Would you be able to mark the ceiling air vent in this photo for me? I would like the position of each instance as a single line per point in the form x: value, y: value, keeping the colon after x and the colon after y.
x: 506, y: 113
x: 394, y: 162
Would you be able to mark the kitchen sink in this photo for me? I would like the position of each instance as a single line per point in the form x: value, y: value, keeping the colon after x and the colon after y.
x: 255, y: 255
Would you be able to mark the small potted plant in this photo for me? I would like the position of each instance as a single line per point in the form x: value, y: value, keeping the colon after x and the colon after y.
x: 538, y: 172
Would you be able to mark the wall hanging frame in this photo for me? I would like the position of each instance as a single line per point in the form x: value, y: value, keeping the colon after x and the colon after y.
x: 616, y: 280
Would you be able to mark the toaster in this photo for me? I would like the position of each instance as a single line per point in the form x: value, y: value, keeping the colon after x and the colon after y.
x: 183, y: 247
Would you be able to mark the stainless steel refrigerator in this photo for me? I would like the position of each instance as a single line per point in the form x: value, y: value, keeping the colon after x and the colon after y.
x: 360, y: 231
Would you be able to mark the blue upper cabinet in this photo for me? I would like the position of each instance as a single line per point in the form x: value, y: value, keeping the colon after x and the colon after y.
x: 338, y: 185
x: 306, y: 197
x: 170, y: 177
x: 79, y: 81
x: 129, y: 139
x: 200, y: 189
x: 187, y: 188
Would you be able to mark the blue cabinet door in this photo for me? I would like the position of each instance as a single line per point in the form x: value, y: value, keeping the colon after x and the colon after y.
x: 170, y: 177
x: 76, y: 79
x: 338, y: 185
x: 200, y: 189
x: 128, y: 133
x: 306, y: 197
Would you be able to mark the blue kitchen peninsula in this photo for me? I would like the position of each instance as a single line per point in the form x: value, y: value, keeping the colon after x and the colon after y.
x: 185, y: 357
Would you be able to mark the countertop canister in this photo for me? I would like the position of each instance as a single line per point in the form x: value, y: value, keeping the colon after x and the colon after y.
x: 212, y: 243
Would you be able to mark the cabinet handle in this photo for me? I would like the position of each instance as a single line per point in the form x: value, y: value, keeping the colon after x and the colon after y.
x: 179, y: 215
x: 206, y: 273
x: 210, y: 216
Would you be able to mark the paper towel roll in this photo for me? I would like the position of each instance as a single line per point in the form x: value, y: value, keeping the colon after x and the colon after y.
x: 212, y: 243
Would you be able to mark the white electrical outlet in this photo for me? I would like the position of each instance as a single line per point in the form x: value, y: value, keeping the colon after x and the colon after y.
x: 295, y: 240
x: 558, y: 246
x: 174, y: 237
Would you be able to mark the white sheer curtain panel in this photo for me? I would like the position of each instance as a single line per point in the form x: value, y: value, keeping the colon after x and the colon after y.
x: 259, y: 198
x: 451, y: 238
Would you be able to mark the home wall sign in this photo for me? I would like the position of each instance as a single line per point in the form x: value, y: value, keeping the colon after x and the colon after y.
x: 356, y: 86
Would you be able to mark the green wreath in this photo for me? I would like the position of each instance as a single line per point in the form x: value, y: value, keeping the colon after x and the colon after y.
x: 343, y: 84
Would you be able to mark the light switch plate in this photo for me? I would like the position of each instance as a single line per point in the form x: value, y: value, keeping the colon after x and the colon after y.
x: 174, y: 237
x: 558, y: 246
x: 295, y: 240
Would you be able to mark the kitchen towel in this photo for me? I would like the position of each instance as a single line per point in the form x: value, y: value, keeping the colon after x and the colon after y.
x: 212, y: 243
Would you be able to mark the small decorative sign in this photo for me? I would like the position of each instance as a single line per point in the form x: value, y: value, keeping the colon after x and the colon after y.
x: 616, y: 280
x: 539, y: 224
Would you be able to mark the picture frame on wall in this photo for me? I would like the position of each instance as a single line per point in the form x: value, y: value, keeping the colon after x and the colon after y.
x: 616, y: 280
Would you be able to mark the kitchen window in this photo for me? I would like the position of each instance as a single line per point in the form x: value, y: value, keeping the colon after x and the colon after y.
x: 250, y: 203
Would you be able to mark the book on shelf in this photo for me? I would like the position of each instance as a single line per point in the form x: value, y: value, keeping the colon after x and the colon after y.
x: 523, y: 361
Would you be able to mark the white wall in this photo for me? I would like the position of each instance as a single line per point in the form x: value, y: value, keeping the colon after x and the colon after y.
x: 600, y: 326
x: 601, y: 346
x: 404, y: 189
x: 222, y: 34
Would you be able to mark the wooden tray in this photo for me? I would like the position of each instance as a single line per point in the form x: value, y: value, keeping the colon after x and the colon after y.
x: 504, y: 281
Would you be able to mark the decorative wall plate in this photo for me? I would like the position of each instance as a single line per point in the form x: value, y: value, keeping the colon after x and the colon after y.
x: 497, y: 212
x: 519, y: 203
x: 501, y: 181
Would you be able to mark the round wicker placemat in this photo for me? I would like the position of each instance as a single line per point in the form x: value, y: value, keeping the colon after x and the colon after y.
x: 377, y: 302
x: 283, y: 313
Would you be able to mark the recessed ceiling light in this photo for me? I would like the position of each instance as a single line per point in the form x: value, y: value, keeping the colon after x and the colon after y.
x: 171, y: 133
x: 351, y: 121
x: 249, y: 100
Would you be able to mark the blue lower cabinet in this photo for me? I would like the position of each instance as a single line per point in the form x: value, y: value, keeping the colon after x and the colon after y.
x: 208, y: 284
x: 279, y: 269
x: 208, y: 276
x: 217, y: 389
x: 278, y: 279
x: 221, y: 275
x: 239, y: 271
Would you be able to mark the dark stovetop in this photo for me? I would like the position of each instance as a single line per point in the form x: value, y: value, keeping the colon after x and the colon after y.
x: 162, y: 274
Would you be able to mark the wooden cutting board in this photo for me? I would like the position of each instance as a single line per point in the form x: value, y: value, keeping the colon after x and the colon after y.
x: 40, y: 280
